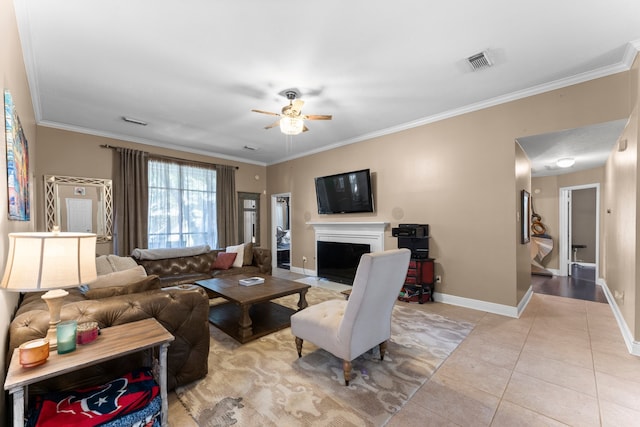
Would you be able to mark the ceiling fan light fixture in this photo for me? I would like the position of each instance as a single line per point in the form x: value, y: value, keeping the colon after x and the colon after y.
x: 291, y: 125
x: 566, y: 162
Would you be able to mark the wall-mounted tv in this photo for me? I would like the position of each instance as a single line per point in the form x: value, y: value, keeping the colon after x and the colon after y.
x: 348, y: 192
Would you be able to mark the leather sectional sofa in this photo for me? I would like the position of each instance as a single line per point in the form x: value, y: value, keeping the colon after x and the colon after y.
x: 188, y: 269
x: 183, y: 312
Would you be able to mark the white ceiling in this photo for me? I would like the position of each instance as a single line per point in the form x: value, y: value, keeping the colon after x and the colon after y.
x: 589, y: 146
x: 194, y: 69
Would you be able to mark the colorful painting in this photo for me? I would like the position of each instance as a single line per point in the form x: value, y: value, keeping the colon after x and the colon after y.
x: 17, y: 163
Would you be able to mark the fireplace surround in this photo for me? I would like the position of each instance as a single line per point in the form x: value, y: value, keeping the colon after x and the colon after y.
x: 358, y: 233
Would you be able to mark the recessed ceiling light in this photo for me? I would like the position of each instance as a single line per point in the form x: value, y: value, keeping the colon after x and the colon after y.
x: 566, y: 162
x: 134, y: 121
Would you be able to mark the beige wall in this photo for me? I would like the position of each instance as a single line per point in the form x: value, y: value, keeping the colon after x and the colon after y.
x: 457, y: 175
x: 14, y: 78
x: 546, y: 193
x: 621, y: 252
x: 63, y: 152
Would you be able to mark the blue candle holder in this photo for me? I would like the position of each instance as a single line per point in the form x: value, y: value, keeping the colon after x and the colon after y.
x: 66, y: 335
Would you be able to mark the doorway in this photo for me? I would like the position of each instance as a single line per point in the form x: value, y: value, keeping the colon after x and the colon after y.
x: 579, y: 239
x: 281, y: 230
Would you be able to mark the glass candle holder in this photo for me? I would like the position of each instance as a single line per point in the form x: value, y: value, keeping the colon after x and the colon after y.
x: 66, y: 335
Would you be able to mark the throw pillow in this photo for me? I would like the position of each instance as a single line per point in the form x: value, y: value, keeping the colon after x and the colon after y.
x: 224, y: 260
x: 248, y: 254
x: 120, y: 263
x: 145, y: 284
x: 103, y: 266
x: 118, y: 278
x: 239, y: 249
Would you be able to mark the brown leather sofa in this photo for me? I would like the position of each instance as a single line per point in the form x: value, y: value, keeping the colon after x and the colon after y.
x: 184, y: 313
x: 188, y: 269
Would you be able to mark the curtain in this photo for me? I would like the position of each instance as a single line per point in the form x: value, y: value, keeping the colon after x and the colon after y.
x: 131, y: 201
x: 227, y: 206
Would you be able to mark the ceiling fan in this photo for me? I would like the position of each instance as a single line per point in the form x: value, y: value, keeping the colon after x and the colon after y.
x: 292, y: 119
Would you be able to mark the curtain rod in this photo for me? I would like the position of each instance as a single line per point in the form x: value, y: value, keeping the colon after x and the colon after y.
x: 159, y: 156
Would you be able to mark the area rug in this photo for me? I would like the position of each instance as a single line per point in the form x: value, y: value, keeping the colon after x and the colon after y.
x: 264, y: 383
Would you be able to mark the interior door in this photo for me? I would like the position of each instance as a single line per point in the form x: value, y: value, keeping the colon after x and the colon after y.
x: 578, y: 244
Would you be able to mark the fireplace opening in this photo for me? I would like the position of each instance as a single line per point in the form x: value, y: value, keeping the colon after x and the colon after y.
x: 338, y: 261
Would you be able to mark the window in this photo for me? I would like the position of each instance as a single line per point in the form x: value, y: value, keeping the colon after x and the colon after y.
x: 182, y: 205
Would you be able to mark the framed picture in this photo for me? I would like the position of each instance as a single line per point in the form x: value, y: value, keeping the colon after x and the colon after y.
x: 526, y: 218
x: 17, y: 163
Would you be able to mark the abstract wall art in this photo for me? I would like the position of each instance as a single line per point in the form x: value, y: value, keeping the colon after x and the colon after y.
x: 17, y: 163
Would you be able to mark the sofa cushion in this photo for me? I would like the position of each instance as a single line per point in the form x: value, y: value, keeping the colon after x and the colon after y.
x: 224, y: 260
x: 118, y: 278
x: 163, y: 253
x: 147, y: 283
x: 239, y: 249
x: 106, y: 264
x: 248, y: 254
x: 119, y: 263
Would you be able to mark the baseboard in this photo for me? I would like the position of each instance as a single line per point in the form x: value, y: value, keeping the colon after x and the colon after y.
x: 304, y: 271
x: 632, y: 345
x: 490, y: 307
x: 554, y: 271
x: 524, y: 302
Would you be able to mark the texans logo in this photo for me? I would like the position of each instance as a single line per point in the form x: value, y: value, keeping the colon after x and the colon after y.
x: 102, y: 402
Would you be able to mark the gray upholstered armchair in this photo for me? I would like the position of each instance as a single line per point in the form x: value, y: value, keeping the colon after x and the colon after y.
x: 350, y: 328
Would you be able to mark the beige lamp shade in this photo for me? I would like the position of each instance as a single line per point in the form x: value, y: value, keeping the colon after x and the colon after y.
x: 43, y: 261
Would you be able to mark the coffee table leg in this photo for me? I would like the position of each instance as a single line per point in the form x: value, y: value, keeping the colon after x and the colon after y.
x: 245, y: 330
x: 302, y: 302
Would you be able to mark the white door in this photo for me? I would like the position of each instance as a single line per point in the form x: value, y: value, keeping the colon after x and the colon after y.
x: 567, y: 252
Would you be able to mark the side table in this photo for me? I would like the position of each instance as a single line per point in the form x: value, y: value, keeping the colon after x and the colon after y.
x: 112, y: 343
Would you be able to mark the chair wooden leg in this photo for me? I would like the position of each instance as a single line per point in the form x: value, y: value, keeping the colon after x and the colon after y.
x: 346, y: 367
x: 383, y: 349
x: 299, y: 346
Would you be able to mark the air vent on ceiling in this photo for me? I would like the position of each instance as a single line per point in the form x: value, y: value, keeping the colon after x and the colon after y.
x: 134, y: 121
x: 479, y: 61
x: 250, y: 148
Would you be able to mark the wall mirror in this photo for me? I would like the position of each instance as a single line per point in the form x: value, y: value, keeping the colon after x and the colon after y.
x: 249, y: 217
x: 79, y: 205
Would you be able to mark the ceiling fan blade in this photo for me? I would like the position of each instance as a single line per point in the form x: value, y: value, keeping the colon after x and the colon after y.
x: 277, y: 123
x: 318, y: 117
x: 266, y: 112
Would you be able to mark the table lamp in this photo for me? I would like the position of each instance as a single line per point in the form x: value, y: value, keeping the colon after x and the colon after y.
x: 49, y: 262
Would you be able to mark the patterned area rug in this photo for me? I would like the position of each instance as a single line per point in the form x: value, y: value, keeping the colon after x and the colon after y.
x: 264, y: 383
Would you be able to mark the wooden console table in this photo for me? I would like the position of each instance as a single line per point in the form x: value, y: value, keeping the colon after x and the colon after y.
x: 112, y: 343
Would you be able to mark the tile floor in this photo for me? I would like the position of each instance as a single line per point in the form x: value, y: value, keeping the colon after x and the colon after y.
x: 563, y: 362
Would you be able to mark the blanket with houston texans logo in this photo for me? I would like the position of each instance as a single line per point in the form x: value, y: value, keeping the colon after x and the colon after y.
x: 97, y: 405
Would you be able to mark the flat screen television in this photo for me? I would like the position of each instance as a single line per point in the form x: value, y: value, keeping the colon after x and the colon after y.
x: 348, y: 192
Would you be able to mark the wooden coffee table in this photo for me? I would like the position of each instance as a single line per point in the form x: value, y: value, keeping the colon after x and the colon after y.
x: 250, y: 312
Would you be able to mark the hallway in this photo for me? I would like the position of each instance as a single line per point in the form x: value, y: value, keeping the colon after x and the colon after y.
x: 580, y: 285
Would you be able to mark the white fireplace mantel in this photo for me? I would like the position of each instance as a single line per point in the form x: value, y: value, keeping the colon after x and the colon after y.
x: 371, y: 233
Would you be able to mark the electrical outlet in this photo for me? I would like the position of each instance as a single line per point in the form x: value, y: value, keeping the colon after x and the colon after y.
x: 438, y: 279
x: 304, y: 258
